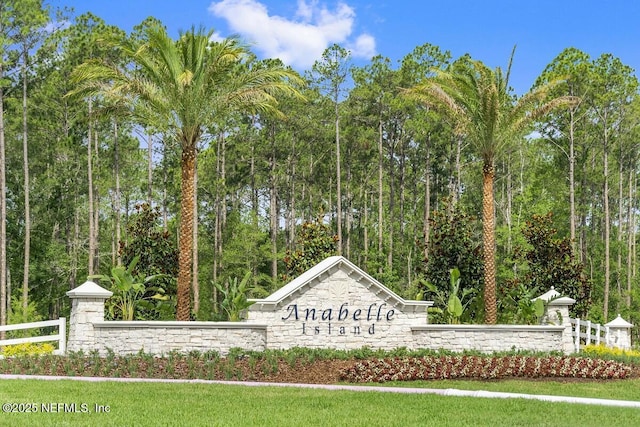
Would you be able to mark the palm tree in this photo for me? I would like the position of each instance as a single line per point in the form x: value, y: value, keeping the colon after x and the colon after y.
x: 479, y: 101
x: 186, y: 84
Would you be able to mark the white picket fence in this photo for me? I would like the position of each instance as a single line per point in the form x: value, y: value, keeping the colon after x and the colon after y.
x: 588, y: 333
x: 61, y: 336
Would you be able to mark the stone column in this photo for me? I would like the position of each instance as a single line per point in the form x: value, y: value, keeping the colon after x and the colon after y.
x: 556, y: 312
x: 619, y: 333
x: 87, y: 306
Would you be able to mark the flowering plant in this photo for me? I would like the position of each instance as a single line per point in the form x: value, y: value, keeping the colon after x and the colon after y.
x: 458, y: 367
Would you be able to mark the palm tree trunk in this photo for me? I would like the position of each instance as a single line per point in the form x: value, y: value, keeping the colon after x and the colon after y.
x: 195, y: 286
x: 185, y: 257
x: 488, y: 238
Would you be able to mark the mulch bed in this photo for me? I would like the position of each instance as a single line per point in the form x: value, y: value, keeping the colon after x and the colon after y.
x: 244, y: 369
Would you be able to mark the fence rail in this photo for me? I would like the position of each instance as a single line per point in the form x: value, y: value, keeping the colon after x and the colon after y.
x: 586, y: 332
x: 61, y: 336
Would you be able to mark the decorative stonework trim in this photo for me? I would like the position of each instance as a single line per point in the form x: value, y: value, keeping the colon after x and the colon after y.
x: 324, y: 270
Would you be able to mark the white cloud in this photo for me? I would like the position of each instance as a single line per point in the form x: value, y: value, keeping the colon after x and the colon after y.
x: 305, y: 11
x: 216, y: 37
x: 364, y: 46
x: 298, y: 41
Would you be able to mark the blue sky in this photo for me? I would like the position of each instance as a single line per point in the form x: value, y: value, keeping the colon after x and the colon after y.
x: 297, y: 31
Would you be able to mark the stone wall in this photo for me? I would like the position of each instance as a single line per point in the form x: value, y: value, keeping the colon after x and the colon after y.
x: 87, y: 307
x: 339, y: 312
x: 164, y: 337
x: 489, y: 338
x: 332, y: 305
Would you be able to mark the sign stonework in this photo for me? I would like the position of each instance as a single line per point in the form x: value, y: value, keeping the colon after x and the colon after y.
x: 333, y: 305
x: 337, y: 305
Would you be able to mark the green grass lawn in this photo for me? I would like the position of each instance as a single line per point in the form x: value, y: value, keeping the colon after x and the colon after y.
x: 173, y: 404
x: 613, y: 389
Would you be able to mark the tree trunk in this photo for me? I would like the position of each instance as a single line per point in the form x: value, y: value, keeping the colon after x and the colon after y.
x: 292, y: 207
x: 380, y: 216
x: 195, y: 286
x: 509, y: 205
x: 489, y: 248
x: 3, y: 216
x: 96, y: 208
x: 165, y: 180
x: 338, y: 179
x: 27, y: 210
x: 630, y: 235
x: 273, y: 210
x: 75, y: 244
x: 392, y: 201
x: 291, y: 202
x: 117, y: 204
x: 402, y: 178
x: 217, y: 233
x: 365, y: 227
x: 92, y: 249
x: 572, y: 185
x: 254, y: 189
x: 349, y: 215
x: 584, y: 203
x: 620, y: 230
x: 607, y: 227
x: 185, y: 257
x: 149, y: 169
x: 426, y: 228
x: 458, y: 169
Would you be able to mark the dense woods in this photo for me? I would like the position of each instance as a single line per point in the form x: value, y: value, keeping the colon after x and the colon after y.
x: 341, y: 159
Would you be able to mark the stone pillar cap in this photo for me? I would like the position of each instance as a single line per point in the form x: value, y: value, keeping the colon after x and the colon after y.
x: 553, y: 297
x: 89, y: 290
x: 619, y: 322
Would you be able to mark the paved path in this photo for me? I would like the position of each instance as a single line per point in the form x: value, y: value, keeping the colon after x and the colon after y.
x: 381, y: 389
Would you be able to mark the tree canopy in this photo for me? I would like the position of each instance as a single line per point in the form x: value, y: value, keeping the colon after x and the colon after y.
x: 237, y: 156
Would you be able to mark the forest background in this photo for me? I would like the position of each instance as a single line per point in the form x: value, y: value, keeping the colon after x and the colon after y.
x: 88, y: 188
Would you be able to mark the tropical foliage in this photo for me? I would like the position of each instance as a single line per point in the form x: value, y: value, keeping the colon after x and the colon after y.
x: 131, y: 292
x: 234, y: 297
